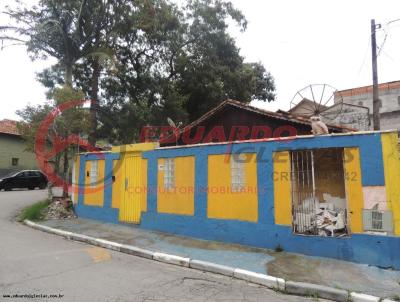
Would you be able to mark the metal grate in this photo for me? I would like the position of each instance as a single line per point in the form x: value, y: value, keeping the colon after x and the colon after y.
x: 303, y: 192
x: 377, y: 220
x: 312, y: 216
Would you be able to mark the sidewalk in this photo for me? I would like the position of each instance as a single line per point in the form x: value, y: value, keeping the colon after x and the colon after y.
x: 289, y: 266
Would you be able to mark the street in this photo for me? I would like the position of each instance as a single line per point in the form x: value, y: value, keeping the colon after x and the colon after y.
x: 33, y: 262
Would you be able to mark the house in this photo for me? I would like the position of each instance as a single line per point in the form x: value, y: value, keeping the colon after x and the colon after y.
x: 237, y: 121
x: 389, y: 96
x: 334, y: 195
x: 306, y: 108
x: 13, y: 154
x: 343, y: 114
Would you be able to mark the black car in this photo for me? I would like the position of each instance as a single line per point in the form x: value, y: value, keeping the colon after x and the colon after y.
x: 23, y: 179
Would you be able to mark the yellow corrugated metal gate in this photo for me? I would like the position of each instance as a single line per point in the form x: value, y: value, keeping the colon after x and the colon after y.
x: 133, y: 188
x: 130, y: 204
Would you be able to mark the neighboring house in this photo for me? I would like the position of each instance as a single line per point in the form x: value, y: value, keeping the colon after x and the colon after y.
x: 236, y: 121
x: 348, y: 115
x: 389, y: 95
x: 340, y: 114
x: 306, y: 108
x: 13, y: 155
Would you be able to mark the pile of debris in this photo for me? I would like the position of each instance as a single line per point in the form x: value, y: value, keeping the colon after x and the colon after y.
x: 331, y: 222
x: 60, y: 208
x: 312, y: 217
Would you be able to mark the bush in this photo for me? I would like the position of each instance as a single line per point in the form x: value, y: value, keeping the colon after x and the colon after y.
x: 35, y: 212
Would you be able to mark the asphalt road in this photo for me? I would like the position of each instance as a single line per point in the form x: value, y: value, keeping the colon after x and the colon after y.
x: 37, y: 263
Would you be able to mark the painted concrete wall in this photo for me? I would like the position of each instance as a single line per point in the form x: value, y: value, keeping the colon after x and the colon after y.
x: 122, y: 186
x: 261, y: 217
x: 180, y: 198
x: 223, y: 202
x: 13, y: 146
x: 390, y: 105
x: 272, y: 227
x: 351, y: 116
x: 94, y: 194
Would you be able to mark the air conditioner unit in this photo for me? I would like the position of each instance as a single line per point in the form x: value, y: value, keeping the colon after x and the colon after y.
x: 377, y: 221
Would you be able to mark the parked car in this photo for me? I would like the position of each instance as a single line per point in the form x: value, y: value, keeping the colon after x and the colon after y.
x: 30, y: 179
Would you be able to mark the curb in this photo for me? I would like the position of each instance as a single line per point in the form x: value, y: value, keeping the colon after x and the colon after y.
x: 279, y: 284
x: 307, y: 289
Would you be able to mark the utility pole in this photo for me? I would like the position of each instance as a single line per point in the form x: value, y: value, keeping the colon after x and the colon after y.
x: 375, y: 93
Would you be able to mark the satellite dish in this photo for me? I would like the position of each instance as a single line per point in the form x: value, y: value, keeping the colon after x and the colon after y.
x: 171, y: 122
x: 318, y: 98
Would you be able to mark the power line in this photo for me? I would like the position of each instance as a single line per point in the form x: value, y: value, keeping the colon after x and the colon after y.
x: 386, y: 30
x: 365, y: 56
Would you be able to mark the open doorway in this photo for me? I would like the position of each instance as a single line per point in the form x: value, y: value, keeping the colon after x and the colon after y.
x: 319, y: 205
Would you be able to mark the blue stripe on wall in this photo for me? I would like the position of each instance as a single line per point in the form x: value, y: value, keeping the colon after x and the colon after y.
x: 369, y: 145
x: 380, y: 251
x: 374, y: 250
x: 105, y: 213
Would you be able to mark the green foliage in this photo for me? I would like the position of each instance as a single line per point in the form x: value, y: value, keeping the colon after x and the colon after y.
x: 71, y: 121
x: 147, y: 59
x: 34, y: 212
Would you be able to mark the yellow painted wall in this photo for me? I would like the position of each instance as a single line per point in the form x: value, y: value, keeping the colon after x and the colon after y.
x: 76, y: 185
x: 94, y: 196
x: 354, y: 192
x: 391, y: 164
x: 179, y: 200
x: 117, y: 188
x: 282, y: 188
x: 222, y: 202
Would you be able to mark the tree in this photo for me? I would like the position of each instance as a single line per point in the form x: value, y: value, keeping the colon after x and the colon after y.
x: 166, y: 61
x: 61, y: 126
x: 69, y: 31
x: 183, y: 64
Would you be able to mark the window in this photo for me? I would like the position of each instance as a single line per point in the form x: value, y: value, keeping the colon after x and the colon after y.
x: 94, y: 173
x: 376, y: 220
x: 237, y: 173
x: 169, y: 173
x: 32, y: 174
x: 14, y: 161
x: 319, y: 205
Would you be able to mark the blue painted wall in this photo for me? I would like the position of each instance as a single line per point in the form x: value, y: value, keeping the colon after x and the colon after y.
x: 106, y: 212
x: 381, y: 251
x: 375, y: 250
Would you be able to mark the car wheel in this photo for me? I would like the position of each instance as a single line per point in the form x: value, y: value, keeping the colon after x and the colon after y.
x: 42, y: 186
x: 31, y: 188
x: 7, y: 189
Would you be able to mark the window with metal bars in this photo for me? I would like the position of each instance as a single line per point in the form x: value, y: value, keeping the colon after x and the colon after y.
x: 238, y: 181
x: 169, y: 173
x: 319, y: 205
x: 94, y: 173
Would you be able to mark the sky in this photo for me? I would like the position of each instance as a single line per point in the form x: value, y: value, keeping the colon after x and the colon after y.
x: 300, y: 42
